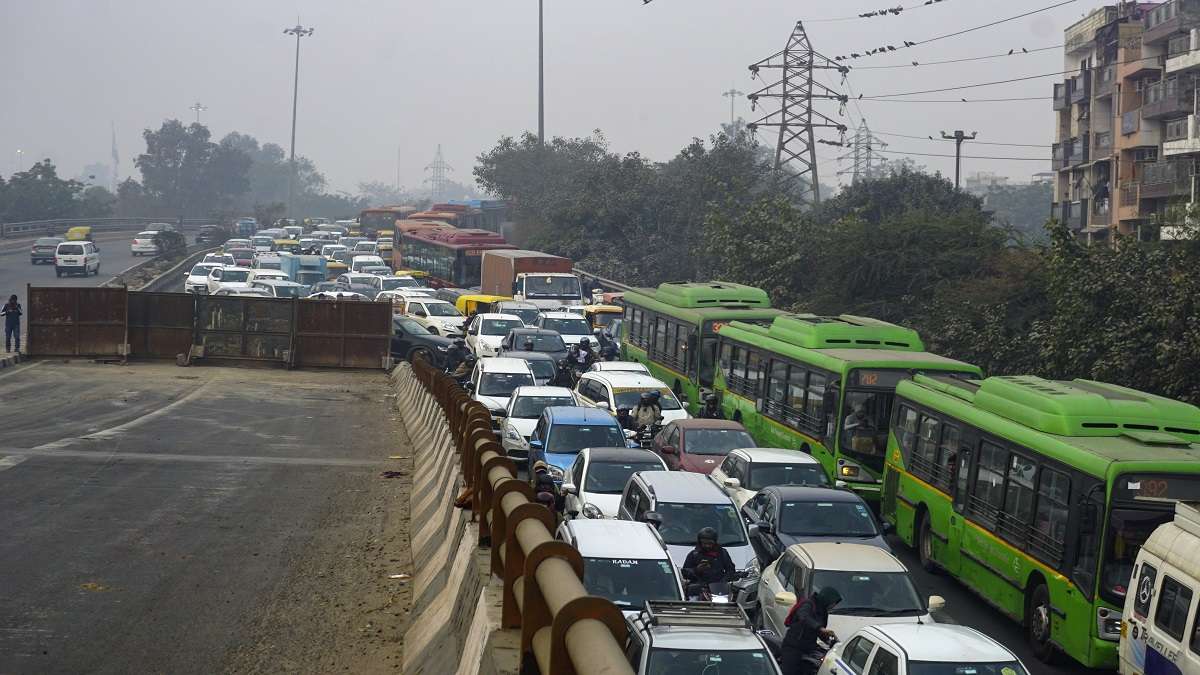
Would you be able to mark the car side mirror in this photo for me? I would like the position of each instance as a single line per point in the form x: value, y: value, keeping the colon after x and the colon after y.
x: 653, y: 518
x: 763, y: 527
x: 630, y: 434
x: 500, y: 413
x: 840, y: 484
x: 536, y: 445
x: 732, y: 483
x: 936, y: 603
x: 785, y: 598
x: 669, y: 450
x: 603, y: 405
x: 421, y: 313
x: 569, y: 488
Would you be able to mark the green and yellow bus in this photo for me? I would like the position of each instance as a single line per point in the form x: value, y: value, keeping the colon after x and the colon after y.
x: 1037, y: 495
x: 824, y: 385
x: 672, y: 329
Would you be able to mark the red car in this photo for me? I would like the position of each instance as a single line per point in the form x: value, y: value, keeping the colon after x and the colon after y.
x: 699, y: 445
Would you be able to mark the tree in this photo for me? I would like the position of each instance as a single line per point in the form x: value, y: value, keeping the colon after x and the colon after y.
x: 96, y: 202
x: 1024, y: 208
x: 132, y: 200
x: 39, y: 194
x: 174, y: 165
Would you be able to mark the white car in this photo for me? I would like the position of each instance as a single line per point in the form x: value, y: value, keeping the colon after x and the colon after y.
x: 593, y: 483
x: 197, y: 278
x: 912, y: 649
x: 359, y: 279
x: 242, y: 292
x: 263, y: 243
x: 231, y: 244
x: 438, y: 316
x: 220, y: 259
x: 228, y: 277
x: 616, y: 390
x: 400, y: 281
x: 745, y: 471
x: 339, y: 295
x: 277, y: 288
x: 76, y: 257
x: 143, y: 243
x: 360, y: 261
x: 528, y: 311
x: 486, y: 331
x: 366, y: 247
x: 328, y: 250
x: 494, y: 380
x: 267, y: 275
x: 525, y: 406
x: 875, y: 587
x: 268, y: 262
x: 623, y: 562
x: 619, y: 366
x: 572, y: 327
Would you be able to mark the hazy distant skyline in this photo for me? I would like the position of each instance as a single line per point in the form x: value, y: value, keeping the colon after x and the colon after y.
x: 377, y: 76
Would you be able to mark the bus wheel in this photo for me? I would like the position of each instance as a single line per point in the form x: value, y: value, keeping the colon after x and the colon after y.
x: 925, y: 543
x: 1037, y: 624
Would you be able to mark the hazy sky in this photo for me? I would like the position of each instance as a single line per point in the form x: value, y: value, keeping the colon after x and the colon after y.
x: 381, y: 76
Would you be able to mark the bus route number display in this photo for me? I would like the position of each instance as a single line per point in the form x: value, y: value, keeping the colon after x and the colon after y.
x: 475, y: 252
x: 1159, y: 487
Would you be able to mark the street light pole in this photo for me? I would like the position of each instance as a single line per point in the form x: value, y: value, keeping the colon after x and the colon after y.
x: 958, y: 137
x: 299, y: 31
x: 198, y: 107
x: 541, y: 81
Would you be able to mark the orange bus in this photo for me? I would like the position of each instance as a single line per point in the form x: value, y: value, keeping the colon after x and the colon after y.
x: 379, y: 218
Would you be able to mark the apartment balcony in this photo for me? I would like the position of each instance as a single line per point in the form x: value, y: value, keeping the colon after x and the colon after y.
x: 1102, y: 144
x: 1075, y: 214
x: 1129, y: 202
x: 1137, y: 132
x: 1060, y: 96
x: 1079, y: 35
x: 1080, y: 88
x: 1104, y: 81
x: 1166, y: 178
x: 1058, y: 156
x: 1183, y: 138
x: 1101, y: 212
x: 1079, y: 151
x: 1170, y: 19
x: 1169, y: 98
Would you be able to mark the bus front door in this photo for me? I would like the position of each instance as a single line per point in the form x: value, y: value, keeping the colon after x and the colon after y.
x: 961, y: 487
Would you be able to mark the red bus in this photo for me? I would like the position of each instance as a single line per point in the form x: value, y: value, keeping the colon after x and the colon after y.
x: 450, y: 257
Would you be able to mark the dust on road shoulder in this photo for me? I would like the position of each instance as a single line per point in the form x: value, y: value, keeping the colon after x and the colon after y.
x: 338, y: 607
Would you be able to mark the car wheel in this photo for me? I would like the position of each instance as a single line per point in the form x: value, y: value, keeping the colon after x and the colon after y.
x: 1037, y: 624
x: 422, y: 352
x: 925, y: 544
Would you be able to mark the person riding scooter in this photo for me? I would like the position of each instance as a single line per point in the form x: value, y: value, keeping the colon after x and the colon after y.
x: 711, y: 409
x: 807, y: 622
x: 455, y: 355
x: 647, y: 412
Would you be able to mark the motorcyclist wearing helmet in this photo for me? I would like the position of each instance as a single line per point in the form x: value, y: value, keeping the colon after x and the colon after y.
x: 806, y: 622
x: 711, y: 409
x: 708, y: 562
x: 456, y: 354
x: 583, y: 357
x: 608, y: 346
x: 463, y: 371
x: 625, y: 419
x: 647, y: 411
x: 563, y: 377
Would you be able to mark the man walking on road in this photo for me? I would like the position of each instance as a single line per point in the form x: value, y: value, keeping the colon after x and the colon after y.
x: 12, y: 323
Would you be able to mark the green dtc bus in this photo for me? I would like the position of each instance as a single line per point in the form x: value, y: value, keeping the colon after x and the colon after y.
x: 823, y: 385
x: 1037, y: 495
x: 672, y: 329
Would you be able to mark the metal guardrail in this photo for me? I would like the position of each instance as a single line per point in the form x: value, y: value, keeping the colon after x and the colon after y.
x: 566, y: 630
x: 57, y: 226
x: 595, y: 281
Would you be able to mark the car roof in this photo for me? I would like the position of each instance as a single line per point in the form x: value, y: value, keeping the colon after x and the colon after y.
x: 563, y: 315
x: 563, y: 414
x: 533, y: 330
x: 774, y: 456
x: 498, y: 315
x: 627, y: 379
x: 503, y: 364
x: 703, y: 423
x: 528, y: 390
x: 428, y: 300
x: 608, y: 538
x: 847, y: 557
x: 805, y: 493
x: 620, y: 455
x: 942, y: 642
x: 683, y: 487
x: 519, y: 304
x: 619, y: 367
x: 235, y: 267
x: 530, y: 356
x: 277, y: 282
x: 705, y: 638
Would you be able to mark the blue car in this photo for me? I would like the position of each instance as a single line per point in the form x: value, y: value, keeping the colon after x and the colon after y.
x: 562, y: 431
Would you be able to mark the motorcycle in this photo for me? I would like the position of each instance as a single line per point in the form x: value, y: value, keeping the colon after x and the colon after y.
x: 717, y: 592
x: 646, y: 433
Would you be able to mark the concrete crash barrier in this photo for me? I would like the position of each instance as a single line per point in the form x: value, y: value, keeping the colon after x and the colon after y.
x: 536, y: 589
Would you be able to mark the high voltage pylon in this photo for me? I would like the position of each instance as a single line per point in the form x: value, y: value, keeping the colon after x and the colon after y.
x: 438, y: 180
x: 863, y: 147
x: 796, y: 149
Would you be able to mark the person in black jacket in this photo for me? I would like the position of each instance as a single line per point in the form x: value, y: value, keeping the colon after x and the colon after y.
x: 708, y: 562
x: 711, y: 409
x: 456, y: 355
x: 805, y: 623
x: 12, y: 323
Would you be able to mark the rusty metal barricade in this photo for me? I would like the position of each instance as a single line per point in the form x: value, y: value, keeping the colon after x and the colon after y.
x: 161, y: 325
x: 343, y: 334
x: 233, y: 327
x: 566, y: 630
x: 76, y: 321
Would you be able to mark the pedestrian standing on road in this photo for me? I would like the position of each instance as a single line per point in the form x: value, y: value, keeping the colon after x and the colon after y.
x: 12, y: 323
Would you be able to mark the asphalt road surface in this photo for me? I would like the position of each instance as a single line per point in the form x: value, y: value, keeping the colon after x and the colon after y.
x: 16, y: 271
x: 200, y: 520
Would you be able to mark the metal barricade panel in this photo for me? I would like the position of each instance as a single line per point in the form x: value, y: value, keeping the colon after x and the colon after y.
x: 350, y: 334
x: 160, y: 324
x: 232, y: 327
x: 76, y: 321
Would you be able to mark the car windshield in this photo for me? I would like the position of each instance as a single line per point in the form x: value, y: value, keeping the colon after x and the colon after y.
x: 568, y: 326
x: 392, y: 283
x: 501, y: 385
x: 551, y: 287
x: 531, y: 407
x: 542, y: 369
x: 412, y: 327
x: 499, y: 326
x: 630, y: 583
x: 681, y: 522
x: 827, y: 519
x: 263, y: 241
x: 528, y: 315
x: 942, y: 668
x: 1128, y: 529
x: 202, y: 270
x: 604, y: 319
x: 269, y: 264
x: 234, y: 275
x: 609, y: 478
x: 541, y: 342
x: 766, y: 475
x: 871, y: 593
x: 241, y: 253
x: 629, y: 398
x: 716, y: 441
x: 287, y: 291
x: 709, y: 662
x: 571, y: 438
x: 441, y: 309
x: 50, y: 241
x: 70, y: 249
x: 865, y: 426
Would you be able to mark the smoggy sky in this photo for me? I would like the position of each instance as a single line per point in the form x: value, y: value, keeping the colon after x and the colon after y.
x: 380, y: 77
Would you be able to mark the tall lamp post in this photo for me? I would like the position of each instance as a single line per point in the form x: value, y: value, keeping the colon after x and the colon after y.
x: 541, y: 82
x: 299, y: 31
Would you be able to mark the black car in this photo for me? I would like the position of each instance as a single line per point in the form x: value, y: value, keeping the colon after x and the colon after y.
x: 544, y: 366
x: 211, y: 234
x: 43, y: 250
x: 410, y: 338
x: 782, y: 515
x: 325, y: 287
x: 544, y: 341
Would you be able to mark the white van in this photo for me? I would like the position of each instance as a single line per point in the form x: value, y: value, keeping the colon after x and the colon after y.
x: 1159, y: 624
x: 76, y: 257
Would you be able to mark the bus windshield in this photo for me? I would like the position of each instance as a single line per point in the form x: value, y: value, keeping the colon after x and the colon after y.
x: 552, y: 287
x: 1128, y: 529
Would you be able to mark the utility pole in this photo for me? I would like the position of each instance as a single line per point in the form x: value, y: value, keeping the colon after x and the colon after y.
x: 862, y: 154
x: 541, y: 81
x: 299, y: 31
x: 198, y: 108
x: 796, y: 118
x: 116, y: 160
x: 438, y: 179
x: 732, y: 95
x: 958, y: 137
x: 399, y: 157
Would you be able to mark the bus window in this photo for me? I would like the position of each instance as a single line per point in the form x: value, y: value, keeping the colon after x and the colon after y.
x: 988, y: 496
x: 1087, y: 545
x: 708, y: 359
x: 1050, y: 518
x: 1128, y: 529
x: 962, y: 479
x: 865, y: 426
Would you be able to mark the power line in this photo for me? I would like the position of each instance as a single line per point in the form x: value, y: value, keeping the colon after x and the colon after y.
x: 964, y: 100
x: 941, y: 140
x: 951, y: 156
x: 894, y: 11
x: 922, y: 64
x: 908, y: 44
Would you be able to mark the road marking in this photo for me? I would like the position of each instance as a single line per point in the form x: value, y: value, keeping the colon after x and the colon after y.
x: 17, y: 370
x: 113, y: 431
x: 11, y: 461
x: 21, y: 454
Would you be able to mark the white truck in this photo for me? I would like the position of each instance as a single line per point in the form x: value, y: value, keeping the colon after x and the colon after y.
x: 531, y: 276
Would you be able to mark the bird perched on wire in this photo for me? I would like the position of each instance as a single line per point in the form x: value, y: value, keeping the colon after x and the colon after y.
x: 1010, y: 52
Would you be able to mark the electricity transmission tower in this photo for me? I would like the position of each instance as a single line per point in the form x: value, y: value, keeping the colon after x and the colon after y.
x: 862, y: 154
x: 438, y: 180
x: 796, y: 89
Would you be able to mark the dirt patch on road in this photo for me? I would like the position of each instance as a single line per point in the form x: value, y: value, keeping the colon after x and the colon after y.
x: 344, y: 603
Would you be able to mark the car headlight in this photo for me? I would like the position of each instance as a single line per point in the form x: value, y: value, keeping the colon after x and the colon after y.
x: 443, y: 348
x: 512, y: 435
x: 592, y: 511
x: 555, y: 472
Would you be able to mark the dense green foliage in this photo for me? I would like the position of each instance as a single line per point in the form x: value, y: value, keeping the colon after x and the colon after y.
x: 39, y: 194
x: 906, y: 247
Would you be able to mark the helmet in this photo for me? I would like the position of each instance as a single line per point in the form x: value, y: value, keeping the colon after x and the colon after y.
x: 655, y: 394
x: 646, y: 396
x: 706, y: 533
x: 585, y: 343
x: 623, y: 409
x: 711, y: 398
